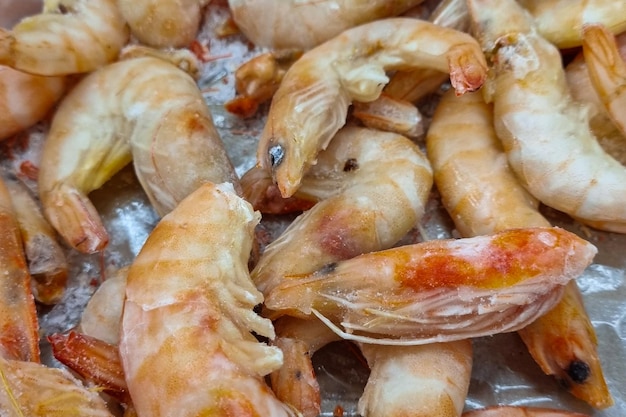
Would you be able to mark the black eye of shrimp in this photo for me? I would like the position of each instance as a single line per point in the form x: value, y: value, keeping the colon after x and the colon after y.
x: 579, y: 371
x: 351, y: 165
x: 276, y: 154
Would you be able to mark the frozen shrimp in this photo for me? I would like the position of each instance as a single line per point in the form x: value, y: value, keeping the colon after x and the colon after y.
x: 19, y: 328
x: 372, y: 188
x: 416, y: 84
x: 513, y: 411
x: 391, y: 115
x: 186, y: 343
x: 561, y: 21
x: 482, y: 195
x: 607, y: 70
x: 68, y: 37
x: 418, y: 381
x: 147, y: 110
x: 34, y: 390
x: 25, y: 99
x: 304, y: 24
x: 440, y: 290
x: 163, y: 24
x: 46, y: 261
x: 312, y: 101
x: 545, y: 133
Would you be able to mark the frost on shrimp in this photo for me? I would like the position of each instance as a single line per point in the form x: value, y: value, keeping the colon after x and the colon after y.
x: 25, y: 99
x: 305, y: 24
x: 68, y: 37
x: 546, y: 134
x: 146, y: 109
x: 186, y: 344
x: 440, y: 290
x: 163, y: 23
x: 312, y: 101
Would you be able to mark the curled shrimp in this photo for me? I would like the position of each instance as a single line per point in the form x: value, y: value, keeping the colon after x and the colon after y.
x: 186, y: 344
x: 561, y: 21
x: 68, y: 37
x: 418, y: 381
x: 483, y: 196
x: 545, y: 133
x: 306, y: 24
x: 19, y: 336
x: 25, y: 99
x: 440, y: 290
x: 34, y: 390
x: 163, y: 24
x: 513, y: 411
x: 147, y: 110
x: 373, y: 188
x: 312, y: 101
x: 607, y: 70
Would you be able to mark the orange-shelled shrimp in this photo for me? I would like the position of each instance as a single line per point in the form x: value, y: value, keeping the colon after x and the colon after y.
x: 312, y: 101
x: 440, y: 290
x: 145, y: 109
x: 68, y: 37
x: 483, y: 196
x: 186, y: 343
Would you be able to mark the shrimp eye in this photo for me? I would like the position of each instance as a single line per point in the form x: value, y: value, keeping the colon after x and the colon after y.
x: 350, y: 165
x: 579, y: 371
x: 276, y: 153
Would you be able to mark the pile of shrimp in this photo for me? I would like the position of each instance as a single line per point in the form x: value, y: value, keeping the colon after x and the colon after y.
x: 215, y: 315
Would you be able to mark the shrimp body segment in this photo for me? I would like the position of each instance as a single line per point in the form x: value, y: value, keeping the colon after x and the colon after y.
x: 483, y: 196
x: 311, y: 104
x: 147, y: 110
x: 186, y: 344
x: 373, y: 188
x: 304, y: 24
x: 19, y: 328
x: 163, y: 24
x: 25, y: 99
x: 441, y: 290
x: 69, y: 37
x: 546, y: 134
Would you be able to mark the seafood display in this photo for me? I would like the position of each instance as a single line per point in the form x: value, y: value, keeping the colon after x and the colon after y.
x: 365, y: 219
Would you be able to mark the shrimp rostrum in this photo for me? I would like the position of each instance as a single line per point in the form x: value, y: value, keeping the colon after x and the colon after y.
x: 145, y: 109
x: 312, y: 102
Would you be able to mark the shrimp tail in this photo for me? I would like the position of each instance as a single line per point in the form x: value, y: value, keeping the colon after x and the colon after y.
x: 85, y: 232
x: 467, y: 70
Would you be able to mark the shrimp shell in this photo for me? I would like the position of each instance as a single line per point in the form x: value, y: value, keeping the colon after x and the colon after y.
x: 312, y: 101
x: 304, y: 24
x: 19, y: 336
x: 186, y: 345
x: 146, y: 109
x: 440, y: 290
x: 68, y: 37
x: 545, y: 133
x: 512, y: 411
x: 25, y: 99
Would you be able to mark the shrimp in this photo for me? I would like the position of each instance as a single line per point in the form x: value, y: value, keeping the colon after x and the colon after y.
x: 306, y: 24
x: 25, y: 99
x: 46, y: 261
x: 440, y: 290
x: 416, y: 84
x: 68, y: 37
x: 390, y: 114
x: 19, y: 337
x: 186, y: 346
x: 34, y: 390
x: 545, y: 133
x: 312, y: 101
x: 418, y: 381
x: 373, y: 188
x: 561, y: 21
x: 163, y: 24
x: 483, y: 196
x: 513, y: 411
x: 607, y: 70
x: 147, y: 110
